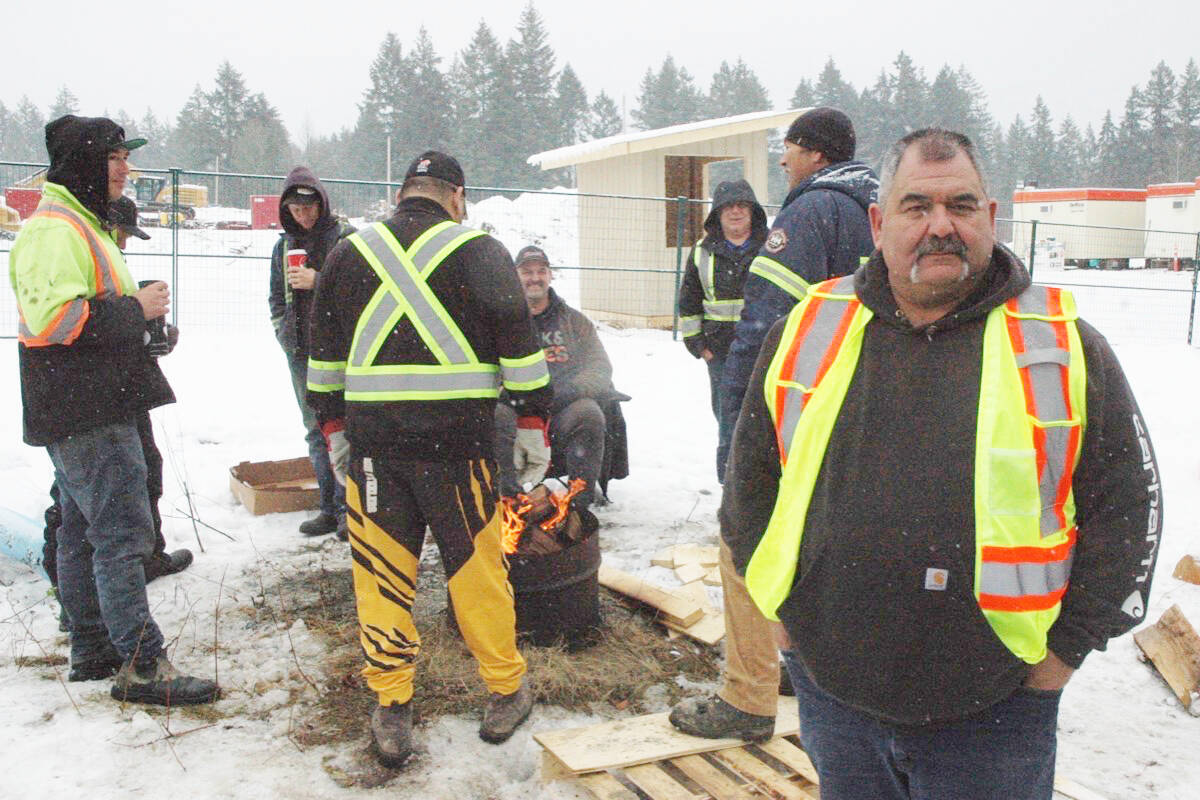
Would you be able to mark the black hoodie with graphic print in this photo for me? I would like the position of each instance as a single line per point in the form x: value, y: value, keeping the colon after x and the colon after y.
x: 895, y: 497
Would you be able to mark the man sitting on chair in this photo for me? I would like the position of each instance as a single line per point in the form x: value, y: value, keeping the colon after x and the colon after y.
x: 581, y: 376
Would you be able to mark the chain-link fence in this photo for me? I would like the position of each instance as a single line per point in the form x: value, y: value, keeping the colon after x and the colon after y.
x: 619, y: 258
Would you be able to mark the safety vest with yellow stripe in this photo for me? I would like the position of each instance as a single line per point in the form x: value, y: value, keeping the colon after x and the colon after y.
x: 1029, y: 427
x: 714, y: 310
x: 76, y: 260
x: 404, y: 293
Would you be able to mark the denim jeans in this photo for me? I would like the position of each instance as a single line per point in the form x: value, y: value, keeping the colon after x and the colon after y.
x: 1003, y: 753
x: 106, y: 533
x: 333, y: 495
x: 716, y: 365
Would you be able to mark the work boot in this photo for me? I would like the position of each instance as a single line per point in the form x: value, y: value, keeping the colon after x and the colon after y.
x: 391, y: 732
x: 320, y: 524
x: 165, y: 563
x: 159, y: 683
x: 96, y: 668
x: 713, y: 718
x: 504, y: 713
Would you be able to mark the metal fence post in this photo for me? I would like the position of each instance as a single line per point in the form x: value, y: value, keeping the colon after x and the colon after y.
x: 175, y: 244
x: 680, y: 219
x: 1032, y: 245
x: 1195, y: 271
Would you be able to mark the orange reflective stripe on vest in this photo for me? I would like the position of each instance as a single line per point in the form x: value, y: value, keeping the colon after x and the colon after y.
x: 819, y: 336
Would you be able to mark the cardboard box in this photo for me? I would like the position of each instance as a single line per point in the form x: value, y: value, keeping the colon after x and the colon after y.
x: 266, y: 487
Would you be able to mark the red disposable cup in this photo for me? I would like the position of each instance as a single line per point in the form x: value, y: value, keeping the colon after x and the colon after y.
x: 297, y: 258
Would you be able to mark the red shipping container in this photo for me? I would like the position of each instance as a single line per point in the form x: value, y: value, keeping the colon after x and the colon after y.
x: 264, y: 211
x: 23, y: 201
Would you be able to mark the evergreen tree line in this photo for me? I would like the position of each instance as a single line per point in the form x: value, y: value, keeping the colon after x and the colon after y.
x: 496, y: 103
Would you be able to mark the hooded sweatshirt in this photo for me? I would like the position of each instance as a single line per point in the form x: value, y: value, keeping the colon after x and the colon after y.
x: 821, y: 232
x: 290, y: 307
x: 730, y: 267
x: 895, y: 497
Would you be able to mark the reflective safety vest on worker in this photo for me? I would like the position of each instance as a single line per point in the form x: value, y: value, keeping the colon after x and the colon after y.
x: 714, y: 310
x: 404, y: 293
x: 90, y: 266
x: 1029, y: 428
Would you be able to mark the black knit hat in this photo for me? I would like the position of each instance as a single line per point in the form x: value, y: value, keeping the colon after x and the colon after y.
x: 826, y: 130
x: 433, y: 164
x: 123, y: 212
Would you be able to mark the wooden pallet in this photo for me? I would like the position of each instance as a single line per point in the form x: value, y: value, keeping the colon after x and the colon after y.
x: 643, y: 757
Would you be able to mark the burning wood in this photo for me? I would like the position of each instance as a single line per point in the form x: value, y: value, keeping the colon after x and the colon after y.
x: 536, y: 523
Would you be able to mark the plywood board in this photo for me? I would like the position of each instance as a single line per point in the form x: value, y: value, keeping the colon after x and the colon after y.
x: 675, y: 608
x: 696, y: 593
x: 711, y: 779
x: 687, y: 553
x: 709, y: 556
x: 664, y: 558
x: 710, y: 629
x: 793, y: 756
x: 713, y: 578
x: 641, y: 740
x: 690, y: 572
x: 1172, y: 646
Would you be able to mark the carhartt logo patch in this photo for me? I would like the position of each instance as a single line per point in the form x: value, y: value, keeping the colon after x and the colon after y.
x: 936, y: 579
x: 776, y: 241
x: 1133, y: 606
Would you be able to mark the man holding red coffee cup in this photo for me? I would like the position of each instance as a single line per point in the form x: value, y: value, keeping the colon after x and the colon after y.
x: 310, y: 230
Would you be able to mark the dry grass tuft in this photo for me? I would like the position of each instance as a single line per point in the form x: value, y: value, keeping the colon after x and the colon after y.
x: 632, y: 655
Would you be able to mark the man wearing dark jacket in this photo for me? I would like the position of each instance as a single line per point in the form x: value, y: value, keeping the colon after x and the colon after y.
x: 309, y: 225
x: 86, y: 375
x: 123, y: 213
x: 417, y: 322
x: 932, y: 614
x: 710, y: 297
x: 822, y: 231
x: 581, y: 377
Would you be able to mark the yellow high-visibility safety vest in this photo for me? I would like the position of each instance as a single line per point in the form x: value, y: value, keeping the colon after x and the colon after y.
x: 1029, y: 428
x: 404, y: 292
x: 106, y: 275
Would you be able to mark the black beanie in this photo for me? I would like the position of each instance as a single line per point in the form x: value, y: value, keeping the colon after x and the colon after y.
x: 826, y: 130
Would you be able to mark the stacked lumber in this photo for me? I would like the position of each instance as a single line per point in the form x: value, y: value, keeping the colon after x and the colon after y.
x: 685, y: 609
x: 646, y: 757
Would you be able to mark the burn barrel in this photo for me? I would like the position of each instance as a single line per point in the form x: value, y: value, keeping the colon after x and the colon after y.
x: 558, y: 595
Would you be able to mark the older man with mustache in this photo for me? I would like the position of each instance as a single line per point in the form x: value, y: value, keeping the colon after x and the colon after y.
x: 942, y: 491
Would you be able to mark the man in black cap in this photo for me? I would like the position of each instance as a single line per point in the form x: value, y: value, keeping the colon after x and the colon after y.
x: 123, y: 215
x: 822, y: 231
x: 417, y: 322
x: 581, y: 376
x: 86, y: 375
x: 310, y: 231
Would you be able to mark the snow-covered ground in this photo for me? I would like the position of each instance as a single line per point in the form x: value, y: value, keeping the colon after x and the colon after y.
x: 1122, y: 733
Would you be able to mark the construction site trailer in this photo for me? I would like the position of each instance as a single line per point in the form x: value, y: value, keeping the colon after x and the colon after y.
x: 1062, y: 214
x: 1172, y: 207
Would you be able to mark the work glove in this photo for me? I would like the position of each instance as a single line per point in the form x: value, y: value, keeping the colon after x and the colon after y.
x: 334, y: 432
x: 531, y: 451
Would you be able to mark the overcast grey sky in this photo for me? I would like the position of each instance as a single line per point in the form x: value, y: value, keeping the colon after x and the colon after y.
x: 311, y: 58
